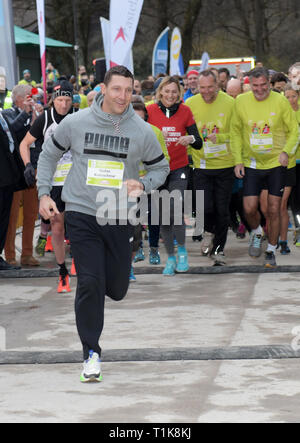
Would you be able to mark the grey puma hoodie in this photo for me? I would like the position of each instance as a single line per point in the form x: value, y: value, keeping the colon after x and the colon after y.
x: 92, y: 134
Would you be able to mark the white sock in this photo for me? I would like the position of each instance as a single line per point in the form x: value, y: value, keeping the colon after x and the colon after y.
x: 271, y: 248
x: 257, y: 231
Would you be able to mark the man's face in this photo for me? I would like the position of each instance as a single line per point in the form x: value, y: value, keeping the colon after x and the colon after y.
x: 27, y: 76
x: 294, y: 77
x: 192, y: 82
x: 279, y: 86
x: 62, y: 105
x: 260, y: 87
x: 137, y: 87
x: 208, y: 88
x: 117, y: 94
x: 223, y: 80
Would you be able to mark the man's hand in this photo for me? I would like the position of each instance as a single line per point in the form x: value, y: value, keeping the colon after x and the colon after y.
x: 134, y: 188
x: 48, y: 208
x: 185, y: 140
x: 239, y: 171
x: 28, y: 103
x: 284, y: 159
x: 212, y: 138
x: 29, y: 175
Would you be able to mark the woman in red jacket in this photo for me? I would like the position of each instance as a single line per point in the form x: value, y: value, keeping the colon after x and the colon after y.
x: 178, y: 125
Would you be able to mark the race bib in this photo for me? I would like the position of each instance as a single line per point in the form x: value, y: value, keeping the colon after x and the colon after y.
x: 61, y: 174
x: 105, y: 174
x: 212, y: 151
x: 261, y: 144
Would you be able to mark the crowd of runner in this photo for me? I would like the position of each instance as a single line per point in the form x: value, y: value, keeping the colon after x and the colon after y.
x: 234, y: 136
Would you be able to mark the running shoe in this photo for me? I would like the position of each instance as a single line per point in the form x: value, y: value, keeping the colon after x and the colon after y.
x: 270, y: 260
x: 207, y: 243
x: 140, y: 256
x: 219, y: 258
x: 255, y: 245
x: 64, y: 284
x: 197, y: 238
x: 73, y: 269
x: 132, y: 277
x: 170, y: 268
x: 154, y: 257
x: 182, y: 260
x: 241, y: 232
x: 91, y: 369
x: 49, y: 246
x: 40, y: 246
x: 284, y: 248
x: 297, y: 238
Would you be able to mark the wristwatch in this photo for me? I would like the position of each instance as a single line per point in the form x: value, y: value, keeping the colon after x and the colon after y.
x: 193, y: 141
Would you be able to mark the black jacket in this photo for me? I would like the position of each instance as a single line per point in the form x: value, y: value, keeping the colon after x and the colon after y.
x: 11, y: 164
x: 19, y: 122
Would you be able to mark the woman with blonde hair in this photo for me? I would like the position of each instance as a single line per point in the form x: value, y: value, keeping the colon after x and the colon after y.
x: 178, y: 125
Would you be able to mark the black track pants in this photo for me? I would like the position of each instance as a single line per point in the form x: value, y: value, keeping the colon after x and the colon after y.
x: 102, y: 256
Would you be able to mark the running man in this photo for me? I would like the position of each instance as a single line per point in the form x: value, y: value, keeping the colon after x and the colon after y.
x: 264, y: 134
x: 213, y: 171
x: 41, y: 130
x: 108, y: 141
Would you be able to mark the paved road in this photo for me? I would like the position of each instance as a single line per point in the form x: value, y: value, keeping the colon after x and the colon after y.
x: 189, y: 313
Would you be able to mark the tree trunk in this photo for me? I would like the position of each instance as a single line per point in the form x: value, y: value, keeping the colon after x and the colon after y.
x: 259, y: 17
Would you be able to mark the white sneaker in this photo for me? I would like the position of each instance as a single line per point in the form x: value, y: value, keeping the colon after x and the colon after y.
x: 207, y: 243
x: 91, y: 369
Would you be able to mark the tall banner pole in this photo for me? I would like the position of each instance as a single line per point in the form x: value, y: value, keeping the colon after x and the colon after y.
x: 161, y: 53
x: 123, y: 25
x: 8, y: 57
x: 40, y: 7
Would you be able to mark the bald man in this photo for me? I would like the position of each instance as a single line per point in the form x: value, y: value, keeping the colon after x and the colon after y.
x: 90, y: 97
x: 234, y: 88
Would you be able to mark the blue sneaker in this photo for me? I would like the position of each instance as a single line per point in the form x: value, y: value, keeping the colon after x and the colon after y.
x: 170, y: 268
x: 132, y: 276
x: 182, y: 264
x: 154, y: 257
x: 284, y: 248
x: 140, y: 256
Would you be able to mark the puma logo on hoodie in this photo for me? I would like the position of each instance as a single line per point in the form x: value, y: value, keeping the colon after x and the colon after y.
x: 103, y: 144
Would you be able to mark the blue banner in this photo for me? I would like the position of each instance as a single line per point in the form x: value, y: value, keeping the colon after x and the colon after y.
x: 161, y: 54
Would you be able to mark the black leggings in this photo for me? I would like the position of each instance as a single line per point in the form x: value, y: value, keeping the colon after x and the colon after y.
x: 177, y: 181
x: 217, y: 185
x: 102, y: 256
x: 295, y: 199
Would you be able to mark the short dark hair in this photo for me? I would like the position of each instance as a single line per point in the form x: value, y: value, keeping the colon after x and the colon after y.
x: 259, y: 72
x: 279, y: 77
x: 139, y: 106
x: 117, y: 70
x: 208, y: 73
x: 225, y: 71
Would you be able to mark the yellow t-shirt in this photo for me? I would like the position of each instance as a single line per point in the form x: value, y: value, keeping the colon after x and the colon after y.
x: 32, y: 83
x: 215, y: 119
x: 260, y: 131
x: 161, y: 139
x: 298, y: 150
